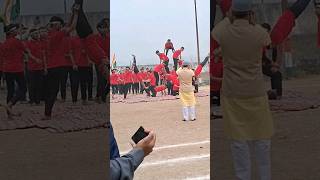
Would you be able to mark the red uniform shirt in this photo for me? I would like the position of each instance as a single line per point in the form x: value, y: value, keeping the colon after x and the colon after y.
x: 152, y: 80
x: 114, y: 78
x: 168, y: 77
x: 93, y: 49
x: 36, y: 48
x: 175, y: 82
x: 217, y: 71
x: 158, y: 68
x: 176, y: 54
x: 104, y: 43
x: 135, y: 78
x: 142, y: 76
x: 163, y: 57
x: 13, y: 52
x: 127, y: 76
x: 121, y: 79
x: 79, y: 52
x: 57, y: 46
x: 160, y: 88
x: 168, y: 45
x: 68, y: 49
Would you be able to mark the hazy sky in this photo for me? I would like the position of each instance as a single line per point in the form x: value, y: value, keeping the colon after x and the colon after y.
x: 141, y: 27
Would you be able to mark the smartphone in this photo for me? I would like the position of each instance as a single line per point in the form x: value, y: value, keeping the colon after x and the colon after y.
x: 139, y: 135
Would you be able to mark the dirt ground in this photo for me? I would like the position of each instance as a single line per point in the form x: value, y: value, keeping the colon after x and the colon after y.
x: 295, y: 145
x: 35, y: 154
x: 182, y: 148
x: 38, y: 154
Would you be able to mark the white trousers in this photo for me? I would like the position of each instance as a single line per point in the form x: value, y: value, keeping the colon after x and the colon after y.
x: 189, y: 113
x: 242, y: 158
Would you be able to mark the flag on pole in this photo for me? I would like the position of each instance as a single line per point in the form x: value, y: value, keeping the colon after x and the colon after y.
x: 15, y: 10
x: 114, y: 61
x: 11, y: 11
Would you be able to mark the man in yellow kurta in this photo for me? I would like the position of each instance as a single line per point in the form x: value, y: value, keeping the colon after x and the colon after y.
x: 186, y: 92
x: 246, y: 114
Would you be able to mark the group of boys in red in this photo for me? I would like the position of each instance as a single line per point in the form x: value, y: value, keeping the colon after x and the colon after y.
x: 54, y: 53
x: 154, y: 80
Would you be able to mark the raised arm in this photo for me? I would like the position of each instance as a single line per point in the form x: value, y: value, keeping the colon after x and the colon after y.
x: 71, y: 25
x: 286, y: 21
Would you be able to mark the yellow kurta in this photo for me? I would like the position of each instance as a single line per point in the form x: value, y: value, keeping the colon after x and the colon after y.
x: 247, y: 118
x: 187, y: 98
x: 246, y: 113
x: 186, y: 90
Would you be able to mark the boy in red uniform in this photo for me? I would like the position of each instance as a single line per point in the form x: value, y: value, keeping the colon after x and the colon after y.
x: 164, y: 60
x: 36, y: 66
x: 114, y: 81
x: 176, y: 56
x: 152, y: 84
x: 127, y: 76
x: 168, y: 84
x: 81, y: 70
x: 135, y: 85
x: 55, y: 60
x: 121, y: 82
x: 13, y: 66
x: 157, y: 71
x: 99, y: 55
x: 102, y: 39
x: 68, y: 70
x: 168, y: 46
x: 142, y: 75
x: 175, y: 84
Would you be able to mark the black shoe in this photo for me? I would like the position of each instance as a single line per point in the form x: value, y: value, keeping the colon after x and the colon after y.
x: 184, y: 120
x: 193, y: 119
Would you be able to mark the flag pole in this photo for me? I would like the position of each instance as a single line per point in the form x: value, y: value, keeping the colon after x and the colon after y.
x: 65, y: 9
x: 197, y: 30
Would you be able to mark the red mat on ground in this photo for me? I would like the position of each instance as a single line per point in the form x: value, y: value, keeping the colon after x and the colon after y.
x: 131, y: 99
x: 294, y: 101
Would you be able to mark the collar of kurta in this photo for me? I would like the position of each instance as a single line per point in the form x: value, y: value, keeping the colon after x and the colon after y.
x: 241, y: 22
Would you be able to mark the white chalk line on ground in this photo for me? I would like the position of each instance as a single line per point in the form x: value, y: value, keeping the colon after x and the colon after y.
x: 175, y: 146
x: 175, y: 160
x: 207, y: 177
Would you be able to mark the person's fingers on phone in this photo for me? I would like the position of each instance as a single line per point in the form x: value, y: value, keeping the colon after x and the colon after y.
x: 147, y: 131
x: 153, y: 142
x: 150, y: 137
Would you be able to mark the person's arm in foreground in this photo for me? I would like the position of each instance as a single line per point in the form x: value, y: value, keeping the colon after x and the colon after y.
x: 123, y: 168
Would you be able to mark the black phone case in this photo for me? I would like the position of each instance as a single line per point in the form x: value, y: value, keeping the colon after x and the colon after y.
x: 139, y: 135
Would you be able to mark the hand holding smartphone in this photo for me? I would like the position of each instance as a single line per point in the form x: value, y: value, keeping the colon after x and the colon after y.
x: 139, y: 135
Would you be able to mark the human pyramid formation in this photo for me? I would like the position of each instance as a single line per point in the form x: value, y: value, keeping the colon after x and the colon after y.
x: 160, y: 78
x: 53, y: 52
